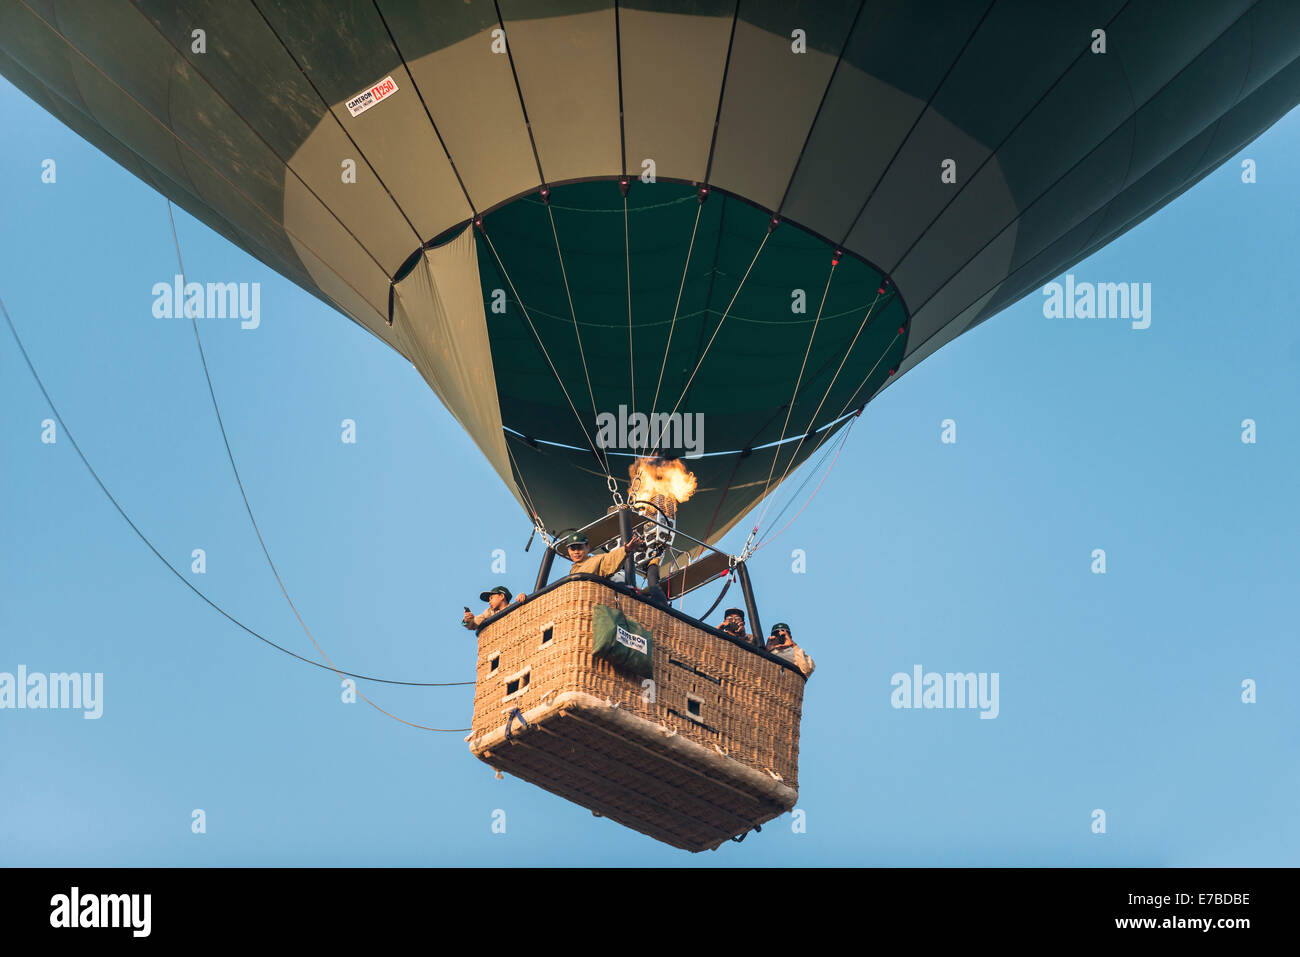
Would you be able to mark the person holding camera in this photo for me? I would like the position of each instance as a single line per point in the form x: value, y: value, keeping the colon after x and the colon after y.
x: 733, y: 623
x: 780, y: 643
x: 779, y: 640
x: 498, y: 598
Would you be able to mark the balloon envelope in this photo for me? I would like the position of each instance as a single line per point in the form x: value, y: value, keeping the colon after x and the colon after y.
x: 968, y: 152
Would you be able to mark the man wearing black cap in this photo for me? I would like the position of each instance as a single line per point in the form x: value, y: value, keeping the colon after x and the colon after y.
x: 497, y: 599
x: 780, y: 643
x: 734, y: 624
x: 780, y: 639
x: 577, y: 549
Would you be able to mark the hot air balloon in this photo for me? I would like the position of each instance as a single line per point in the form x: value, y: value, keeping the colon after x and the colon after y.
x: 700, y: 230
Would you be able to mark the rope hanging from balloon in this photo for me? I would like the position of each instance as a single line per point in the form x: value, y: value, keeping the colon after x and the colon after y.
x: 230, y: 455
x: 13, y: 331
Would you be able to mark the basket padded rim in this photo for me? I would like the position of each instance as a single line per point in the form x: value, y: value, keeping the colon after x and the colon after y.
x: 636, y: 595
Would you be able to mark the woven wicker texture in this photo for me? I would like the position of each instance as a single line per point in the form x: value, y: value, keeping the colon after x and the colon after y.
x: 738, y: 710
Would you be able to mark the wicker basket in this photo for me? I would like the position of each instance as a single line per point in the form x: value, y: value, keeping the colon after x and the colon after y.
x: 702, y: 752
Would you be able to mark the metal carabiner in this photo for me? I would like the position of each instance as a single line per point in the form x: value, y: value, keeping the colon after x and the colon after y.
x: 747, y: 550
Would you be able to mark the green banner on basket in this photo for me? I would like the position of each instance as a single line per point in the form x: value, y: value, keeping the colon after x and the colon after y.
x: 621, y: 641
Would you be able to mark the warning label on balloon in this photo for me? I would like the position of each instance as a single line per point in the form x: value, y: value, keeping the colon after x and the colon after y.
x: 368, y: 98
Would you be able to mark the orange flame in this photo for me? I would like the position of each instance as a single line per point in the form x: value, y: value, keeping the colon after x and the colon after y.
x: 655, y: 476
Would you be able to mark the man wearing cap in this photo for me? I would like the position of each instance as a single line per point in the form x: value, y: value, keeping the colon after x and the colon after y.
x: 780, y: 639
x: 610, y: 565
x: 780, y: 643
x: 734, y: 624
x: 498, y: 598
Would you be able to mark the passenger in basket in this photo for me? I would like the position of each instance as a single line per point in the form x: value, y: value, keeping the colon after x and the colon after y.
x: 734, y: 624
x: 610, y: 565
x: 780, y: 643
x: 498, y: 598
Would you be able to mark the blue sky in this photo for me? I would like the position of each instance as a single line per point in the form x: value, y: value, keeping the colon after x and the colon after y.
x: 1119, y: 691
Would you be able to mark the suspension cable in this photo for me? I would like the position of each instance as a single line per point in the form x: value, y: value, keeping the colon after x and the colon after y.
x: 825, y: 475
x: 604, y: 462
x: 582, y: 355
x: 802, y: 485
x: 672, y: 325
x: 758, y: 252
x: 865, y: 320
x: 631, y: 353
x: 852, y: 398
x: 523, y: 486
x: 789, y: 410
